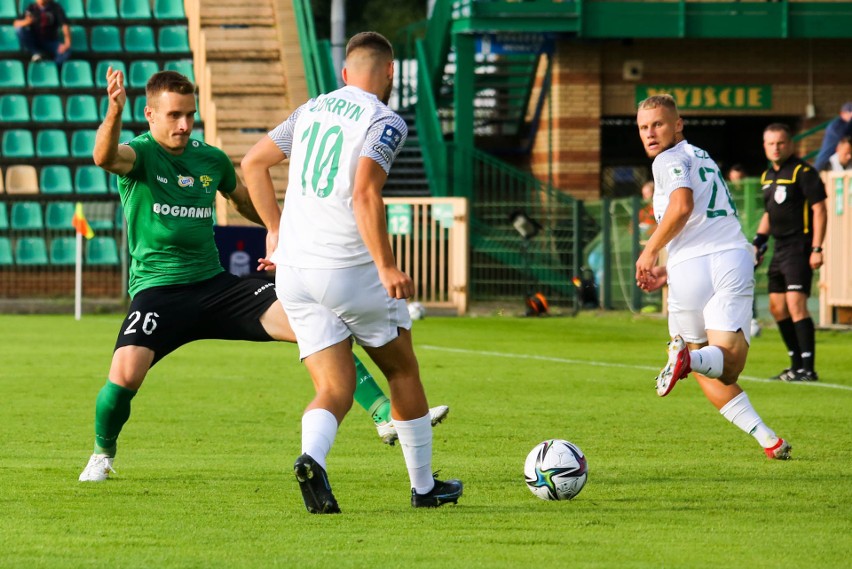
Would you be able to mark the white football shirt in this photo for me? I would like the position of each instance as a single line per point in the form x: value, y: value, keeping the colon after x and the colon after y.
x: 713, y: 225
x: 324, y: 139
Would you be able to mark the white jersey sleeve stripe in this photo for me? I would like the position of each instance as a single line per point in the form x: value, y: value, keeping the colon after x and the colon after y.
x: 385, y: 138
x: 282, y: 135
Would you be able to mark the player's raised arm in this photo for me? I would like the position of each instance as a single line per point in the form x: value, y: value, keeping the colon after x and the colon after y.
x: 108, y: 153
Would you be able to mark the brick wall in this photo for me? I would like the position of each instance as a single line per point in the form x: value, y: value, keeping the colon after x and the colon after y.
x: 589, y: 84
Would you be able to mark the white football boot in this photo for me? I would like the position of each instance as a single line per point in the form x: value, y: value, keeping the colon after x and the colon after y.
x: 387, y: 432
x: 98, y: 469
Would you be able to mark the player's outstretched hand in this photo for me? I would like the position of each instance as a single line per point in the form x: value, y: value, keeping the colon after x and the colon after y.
x: 397, y: 283
x: 115, y: 87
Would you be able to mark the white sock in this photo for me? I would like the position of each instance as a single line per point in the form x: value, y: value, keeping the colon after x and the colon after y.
x: 708, y: 361
x: 319, y: 427
x: 740, y: 412
x: 415, y: 437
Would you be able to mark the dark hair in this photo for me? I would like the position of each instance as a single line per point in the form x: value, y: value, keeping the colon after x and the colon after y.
x: 737, y: 168
x: 847, y: 139
x: 169, y: 81
x: 373, y: 41
x: 779, y: 127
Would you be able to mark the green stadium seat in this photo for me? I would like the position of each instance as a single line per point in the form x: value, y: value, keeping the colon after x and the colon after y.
x: 101, y: 9
x: 58, y: 215
x: 12, y: 74
x: 9, y: 10
x: 21, y: 179
x: 197, y: 134
x: 51, y: 143
x: 9, y: 39
x: 126, y: 115
x: 63, y: 251
x: 141, y: 71
x: 101, y: 70
x: 77, y: 74
x: 79, y: 39
x: 56, y: 179
x: 90, y: 180
x: 81, y: 108
x: 14, y: 108
x: 139, y: 108
x: 74, y: 11
x: 134, y: 9
x: 125, y: 136
x: 102, y: 251
x: 119, y: 216
x: 182, y: 66
x: 31, y: 251
x: 169, y: 10
x: 100, y: 215
x: 173, y: 39
x: 47, y: 108
x: 113, y: 184
x: 26, y: 216
x: 139, y: 39
x: 4, y: 217
x: 6, y: 258
x: 83, y: 143
x: 18, y: 143
x: 43, y: 75
x: 106, y: 39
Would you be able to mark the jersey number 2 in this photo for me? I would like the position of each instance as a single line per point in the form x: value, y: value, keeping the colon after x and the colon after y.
x: 711, y: 207
x: 326, y: 159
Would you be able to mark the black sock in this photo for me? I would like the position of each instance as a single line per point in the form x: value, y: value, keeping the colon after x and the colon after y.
x: 788, y: 334
x: 807, y: 343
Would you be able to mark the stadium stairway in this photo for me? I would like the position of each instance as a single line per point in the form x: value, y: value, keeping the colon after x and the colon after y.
x: 408, y: 176
x: 250, y: 75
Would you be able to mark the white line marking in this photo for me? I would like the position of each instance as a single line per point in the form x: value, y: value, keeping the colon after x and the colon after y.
x: 613, y: 364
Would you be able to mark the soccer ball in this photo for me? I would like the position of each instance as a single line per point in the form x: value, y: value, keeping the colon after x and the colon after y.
x: 556, y: 470
x: 416, y: 310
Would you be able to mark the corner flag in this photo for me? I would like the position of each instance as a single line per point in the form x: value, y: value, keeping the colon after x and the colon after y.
x: 80, y: 224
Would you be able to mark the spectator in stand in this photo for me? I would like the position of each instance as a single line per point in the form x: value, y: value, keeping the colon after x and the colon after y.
x: 836, y: 129
x: 842, y: 158
x: 38, y: 31
x: 647, y: 223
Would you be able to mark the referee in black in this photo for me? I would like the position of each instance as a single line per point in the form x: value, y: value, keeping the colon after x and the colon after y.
x: 795, y: 216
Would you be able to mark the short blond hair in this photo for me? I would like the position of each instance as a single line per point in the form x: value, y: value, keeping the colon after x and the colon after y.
x: 655, y: 101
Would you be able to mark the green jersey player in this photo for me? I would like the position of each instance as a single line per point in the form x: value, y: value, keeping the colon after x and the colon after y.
x: 179, y: 290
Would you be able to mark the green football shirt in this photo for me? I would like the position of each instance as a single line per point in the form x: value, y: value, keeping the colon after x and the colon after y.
x: 168, y: 202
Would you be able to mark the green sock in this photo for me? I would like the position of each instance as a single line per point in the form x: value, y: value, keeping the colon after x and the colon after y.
x: 112, y: 410
x: 369, y: 396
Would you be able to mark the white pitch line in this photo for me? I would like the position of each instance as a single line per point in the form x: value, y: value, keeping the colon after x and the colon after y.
x: 613, y: 364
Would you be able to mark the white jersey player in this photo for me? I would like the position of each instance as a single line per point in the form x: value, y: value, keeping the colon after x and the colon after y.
x: 337, y: 277
x: 709, y: 270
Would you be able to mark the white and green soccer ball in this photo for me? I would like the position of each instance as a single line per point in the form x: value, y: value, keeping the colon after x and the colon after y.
x: 416, y: 310
x: 556, y: 470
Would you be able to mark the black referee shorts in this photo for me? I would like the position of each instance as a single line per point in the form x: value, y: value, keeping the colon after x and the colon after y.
x: 790, y: 269
x: 224, y: 307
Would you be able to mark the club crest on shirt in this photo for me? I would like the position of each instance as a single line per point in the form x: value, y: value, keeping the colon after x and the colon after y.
x: 780, y: 194
x: 205, y: 182
x: 676, y: 171
x: 185, y: 181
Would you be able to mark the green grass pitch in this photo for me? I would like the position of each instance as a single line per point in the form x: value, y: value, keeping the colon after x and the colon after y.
x: 204, y: 465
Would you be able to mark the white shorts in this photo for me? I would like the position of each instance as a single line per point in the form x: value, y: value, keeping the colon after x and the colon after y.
x: 711, y: 292
x: 326, y: 306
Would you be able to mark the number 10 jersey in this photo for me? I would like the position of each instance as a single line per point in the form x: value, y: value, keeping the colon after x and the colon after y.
x: 713, y: 224
x: 324, y: 139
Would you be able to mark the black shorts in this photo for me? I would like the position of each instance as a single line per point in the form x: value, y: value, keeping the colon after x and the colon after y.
x: 225, y: 307
x: 790, y: 269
